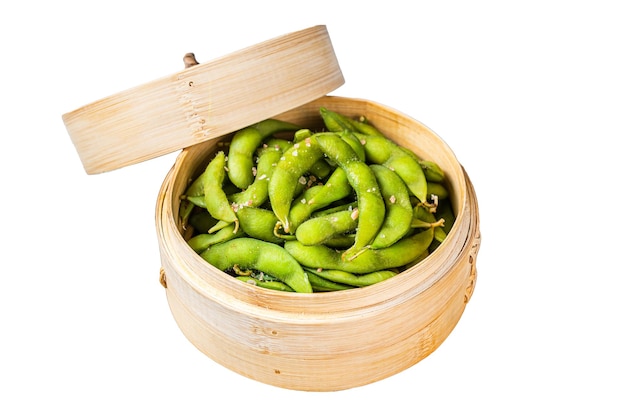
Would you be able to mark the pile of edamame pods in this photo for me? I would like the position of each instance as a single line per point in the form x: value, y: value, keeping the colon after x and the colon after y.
x: 287, y: 208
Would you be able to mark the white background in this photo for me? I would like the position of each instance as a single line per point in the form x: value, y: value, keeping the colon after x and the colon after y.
x: 530, y: 96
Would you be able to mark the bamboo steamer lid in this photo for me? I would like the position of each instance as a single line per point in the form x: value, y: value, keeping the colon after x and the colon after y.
x: 204, y: 101
x: 309, y: 342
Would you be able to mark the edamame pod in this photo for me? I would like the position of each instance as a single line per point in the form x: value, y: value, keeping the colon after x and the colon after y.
x: 270, y: 285
x: 214, y: 197
x: 340, y: 242
x: 294, y: 163
x: 258, y: 223
x: 354, y: 143
x: 321, y: 284
x: 255, y: 254
x: 364, y: 127
x: 196, y: 188
x: 344, y: 127
x: 398, y: 208
x: 334, y: 209
x: 395, y: 256
x: 196, y: 200
x: 437, y: 189
x: 354, y: 280
x: 318, y: 230
x: 321, y: 168
x: 244, y: 144
x: 363, y: 181
x: 445, y: 212
x: 336, y: 187
x: 382, y: 151
x: 432, y: 171
x: 202, y: 221
x: 302, y: 134
x: 257, y: 194
x: 423, y: 218
x: 336, y: 122
x: 201, y: 242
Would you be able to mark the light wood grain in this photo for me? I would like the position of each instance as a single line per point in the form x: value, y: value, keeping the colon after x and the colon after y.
x: 204, y: 101
x: 323, y: 341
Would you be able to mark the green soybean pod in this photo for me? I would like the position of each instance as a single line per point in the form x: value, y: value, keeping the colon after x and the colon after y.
x: 284, y: 182
x: 219, y: 226
x: 202, y: 221
x: 424, y: 218
x: 255, y: 254
x: 341, y: 242
x: 417, y: 260
x: 334, y: 275
x: 243, y: 146
x: 363, y: 181
x: 334, y: 189
x: 300, y: 209
x: 258, y: 223
x: 321, y: 168
x: 336, y: 122
x: 344, y: 127
x: 333, y: 209
x: 195, y: 189
x: 257, y: 194
x: 201, y: 242
x: 277, y: 144
x: 270, y: 285
x: 398, y: 208
x: 302, y: 134
x: 354, y: 143
x: 318, y: 230
x: 397, y: 255
x: 382, y: 151
x: 445, y: 211
x: 197, y: 200
x: 432, y: 171
x: 320, y: 284
x: 374, y: 277
x: 364, y: 127
x: 184, y: 211
x: 215, y: 198
x: 437, y: 189
x: 354, y: 280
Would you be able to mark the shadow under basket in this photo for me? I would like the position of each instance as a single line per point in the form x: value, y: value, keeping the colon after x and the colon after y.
x: 323, y: 341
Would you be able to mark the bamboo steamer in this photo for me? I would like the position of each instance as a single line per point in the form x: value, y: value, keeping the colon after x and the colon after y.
x: 309, y: 342
x: 323, y: 341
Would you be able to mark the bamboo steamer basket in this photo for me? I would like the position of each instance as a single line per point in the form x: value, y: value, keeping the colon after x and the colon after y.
x: 323, y: 341
x: 309, y: 342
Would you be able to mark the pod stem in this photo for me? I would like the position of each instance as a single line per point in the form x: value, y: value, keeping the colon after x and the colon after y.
x: 279, y: 235
x: 241, y: 272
